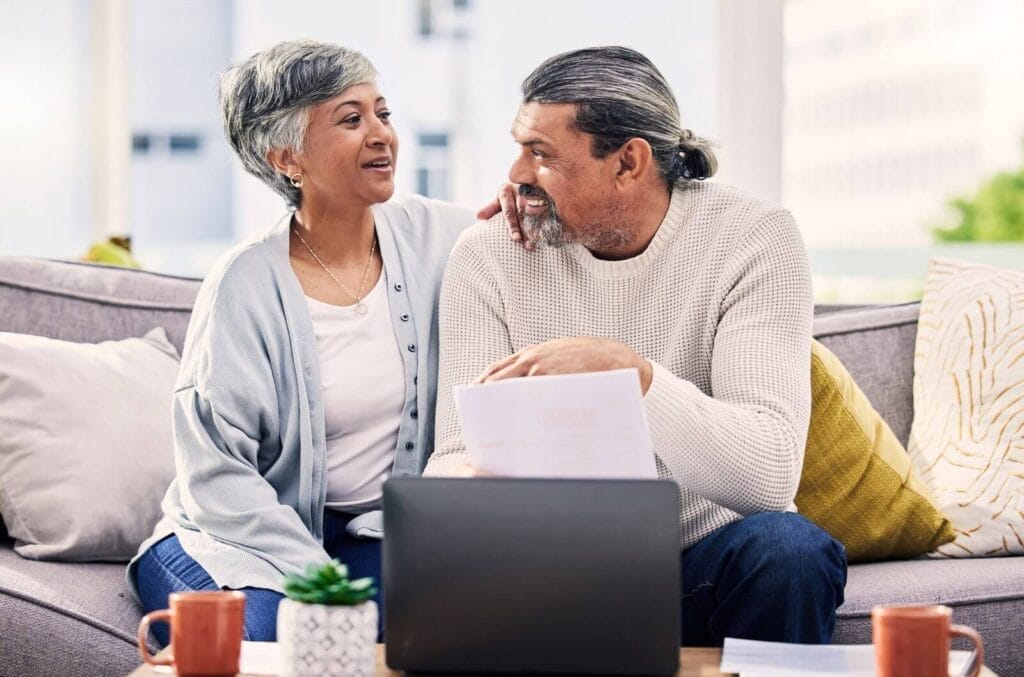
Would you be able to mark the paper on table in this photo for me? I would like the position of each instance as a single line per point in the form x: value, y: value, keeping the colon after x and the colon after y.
x: 260, y: 658
x: 573, y: 425
x: 751, y: 658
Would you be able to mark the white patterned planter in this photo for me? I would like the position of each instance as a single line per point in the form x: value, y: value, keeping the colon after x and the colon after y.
x: 335, y: 640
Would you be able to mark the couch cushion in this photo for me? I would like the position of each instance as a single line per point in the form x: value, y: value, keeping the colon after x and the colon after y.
x: 65, y: 619
x: 968, y: 434
x: 986, y: 594
x: 91, y: 303
x: 876, y: 344
x: 857, y: 481
x: 86, y: 447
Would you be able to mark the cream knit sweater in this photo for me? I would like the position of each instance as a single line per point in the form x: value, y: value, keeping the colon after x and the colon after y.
x: 719, y: 302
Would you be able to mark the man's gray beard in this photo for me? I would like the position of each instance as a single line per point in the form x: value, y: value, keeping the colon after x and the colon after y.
x: 547, y: 229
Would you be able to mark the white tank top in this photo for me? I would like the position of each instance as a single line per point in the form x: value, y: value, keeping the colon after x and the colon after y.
x: 363, y: 380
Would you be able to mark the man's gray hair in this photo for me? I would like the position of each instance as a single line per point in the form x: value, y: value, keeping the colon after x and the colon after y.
x: 266, y: 99
x: 620, y: 95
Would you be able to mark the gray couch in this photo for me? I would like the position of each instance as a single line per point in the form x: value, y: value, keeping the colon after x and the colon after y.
x: 64, y: 619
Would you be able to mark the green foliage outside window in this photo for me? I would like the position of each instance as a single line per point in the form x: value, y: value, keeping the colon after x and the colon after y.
x: 994, y: 214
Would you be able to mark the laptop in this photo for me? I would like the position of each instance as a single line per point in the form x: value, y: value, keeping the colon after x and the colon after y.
x: 495, y: 575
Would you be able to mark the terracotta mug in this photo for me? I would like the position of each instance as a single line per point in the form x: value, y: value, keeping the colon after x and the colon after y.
x: 913, y: 641
x: 206, y: 632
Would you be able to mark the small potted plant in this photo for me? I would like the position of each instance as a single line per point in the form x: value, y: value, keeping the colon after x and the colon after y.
x: 327, y: 624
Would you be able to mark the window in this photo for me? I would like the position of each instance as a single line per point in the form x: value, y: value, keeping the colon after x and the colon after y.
x: 901, y: 125
x: 433, y: 166
x: 426, y: 18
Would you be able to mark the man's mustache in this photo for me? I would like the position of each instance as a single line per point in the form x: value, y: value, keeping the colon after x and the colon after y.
x: 528, y: 190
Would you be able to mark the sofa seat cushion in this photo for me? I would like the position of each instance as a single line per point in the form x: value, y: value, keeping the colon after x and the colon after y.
x: 986, y: 594
x: 65, y: 619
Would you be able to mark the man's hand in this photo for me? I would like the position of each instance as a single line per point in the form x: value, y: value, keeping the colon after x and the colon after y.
x: 467, y: 470
x: 570, y: 356
x: 508, y: 201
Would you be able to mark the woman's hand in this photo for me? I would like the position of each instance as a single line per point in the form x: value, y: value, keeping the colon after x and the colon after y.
x: 507, y: 201
x: 570, y: 356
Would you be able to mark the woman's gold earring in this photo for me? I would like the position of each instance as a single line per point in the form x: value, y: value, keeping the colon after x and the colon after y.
x: 296, y: 180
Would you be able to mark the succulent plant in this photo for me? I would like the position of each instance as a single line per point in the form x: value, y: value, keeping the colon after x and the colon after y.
x: 328, y: 584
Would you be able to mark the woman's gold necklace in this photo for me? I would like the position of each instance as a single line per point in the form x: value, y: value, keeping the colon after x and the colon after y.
x: 360, y: 307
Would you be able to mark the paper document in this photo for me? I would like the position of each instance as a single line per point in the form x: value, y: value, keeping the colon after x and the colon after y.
x: 750, y: 658
x: 575, y: 425
x: 260, y: 658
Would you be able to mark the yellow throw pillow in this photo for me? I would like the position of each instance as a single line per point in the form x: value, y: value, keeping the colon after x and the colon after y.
x: 858, y: 483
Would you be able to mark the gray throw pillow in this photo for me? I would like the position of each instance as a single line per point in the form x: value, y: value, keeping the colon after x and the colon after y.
x: 86, y: 448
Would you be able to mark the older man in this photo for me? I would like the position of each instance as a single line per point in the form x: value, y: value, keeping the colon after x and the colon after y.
x: 702, y: 288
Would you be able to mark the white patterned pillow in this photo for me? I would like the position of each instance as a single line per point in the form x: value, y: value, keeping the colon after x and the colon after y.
x: 967, y: 439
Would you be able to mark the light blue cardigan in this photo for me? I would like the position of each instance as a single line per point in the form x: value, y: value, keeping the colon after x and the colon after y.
x: 247, y: 502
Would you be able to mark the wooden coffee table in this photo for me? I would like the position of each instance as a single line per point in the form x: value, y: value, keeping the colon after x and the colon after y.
x: 693, y: 663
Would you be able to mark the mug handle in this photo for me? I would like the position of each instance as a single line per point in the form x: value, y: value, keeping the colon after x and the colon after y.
x: 977, y: 659
x: 152, y: 617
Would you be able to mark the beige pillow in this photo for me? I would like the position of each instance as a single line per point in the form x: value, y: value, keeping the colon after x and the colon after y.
x: 85, y: 443
x: 967, y: 439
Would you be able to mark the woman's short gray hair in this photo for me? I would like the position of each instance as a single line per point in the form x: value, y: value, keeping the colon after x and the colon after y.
x: 620, y: 95
x: 266, y: 99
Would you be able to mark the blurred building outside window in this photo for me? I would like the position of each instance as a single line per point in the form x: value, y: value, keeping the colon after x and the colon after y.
x: 892, y: 111
x: 433, y: 170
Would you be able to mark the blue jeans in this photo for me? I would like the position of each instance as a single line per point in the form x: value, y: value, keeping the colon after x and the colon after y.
x: 772, y: 576
x: 167, y: 568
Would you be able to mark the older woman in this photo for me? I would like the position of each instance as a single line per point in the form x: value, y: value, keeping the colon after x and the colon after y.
x: 309, y: 371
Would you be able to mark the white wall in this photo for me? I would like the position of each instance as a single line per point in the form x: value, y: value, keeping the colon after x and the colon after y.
x: 178, y: 50
x: 45, y: 128
x: 513, y: 38
x: 750, y: 95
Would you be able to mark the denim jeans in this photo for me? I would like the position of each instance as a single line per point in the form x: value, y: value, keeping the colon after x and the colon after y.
x: 167, y: 568
x: 771, y: 576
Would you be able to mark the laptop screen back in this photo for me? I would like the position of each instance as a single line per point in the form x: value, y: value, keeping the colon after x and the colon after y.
x: 508, y: 575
